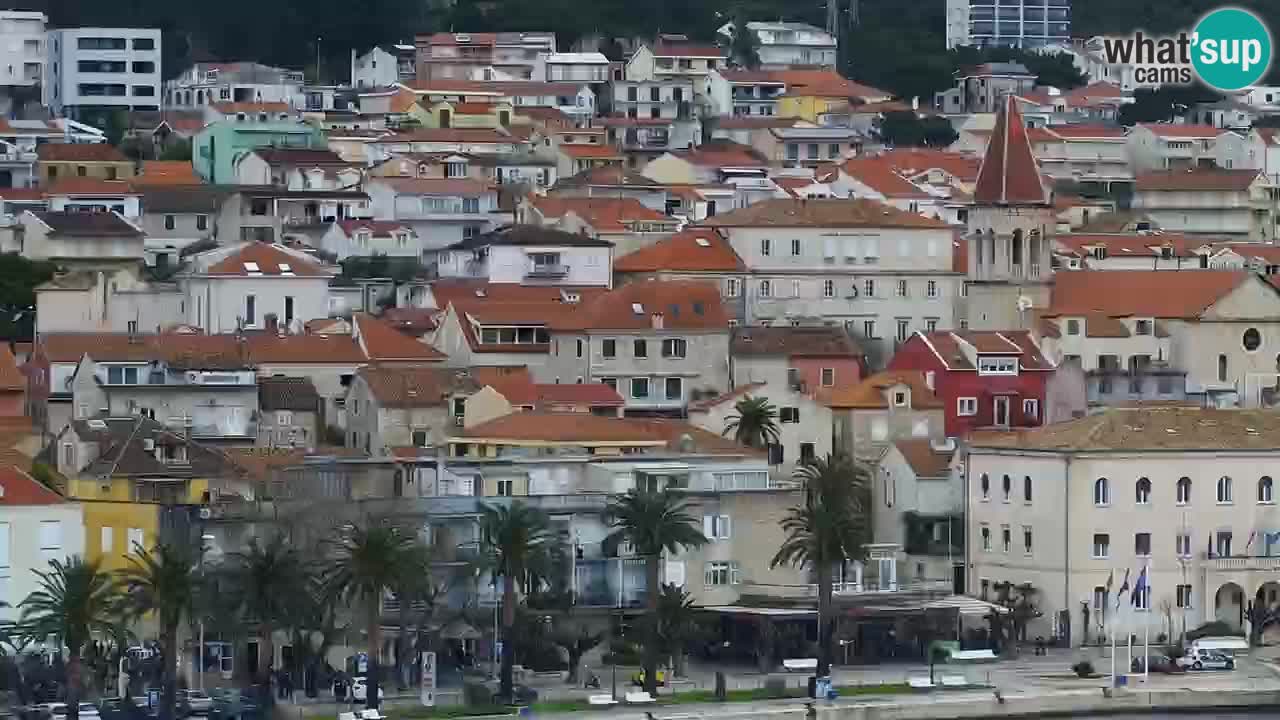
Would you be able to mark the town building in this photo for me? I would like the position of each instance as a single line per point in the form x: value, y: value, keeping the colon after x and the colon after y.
x: 983, y: 89
x: 692, y: 254
x: 918, y: 499
x: 803, y: 423
x: 237, y: 287
x: 783, y: 44
x: 530, y: 254
x: 383, y: 66
x: 441, y: 212
x: 96, y: 71
x: 24, y: 56
x: 1164, y: 146
x: 1026, y: 24
x: 578, y: 67
x: 1154, y: 483
x: 290, y: 413
x: 1229, y: 204
x: 204, y: 84
x: 481, y: 56
x: 216, y: 149
x: 390, y: 407
x: 59, y: 161
x: 82, y: 240
x: 884, y: 408
x: 36, y: 525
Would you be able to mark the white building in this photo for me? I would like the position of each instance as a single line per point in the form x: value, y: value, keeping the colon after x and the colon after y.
x: 234, y: 288
x: 1018, y: 23
x: 1186, y: 493
x: 584, y: 67
x: 1161, y: 146
x: 442, y: 211
x: 804, y: 424
x: 782, y: 44
x: 531, y: 255
x: 347, y: 238
x: 22, y: 48
x: 203, y: 84
x: 383, y: 66
x: 1256, y: 149
x: 36, y: 525
x: 1209, y: 202
x: 96, y: 69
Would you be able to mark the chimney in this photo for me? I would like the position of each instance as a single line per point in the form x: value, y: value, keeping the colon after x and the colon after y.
x: 657, y: 321
x: 272, y: 323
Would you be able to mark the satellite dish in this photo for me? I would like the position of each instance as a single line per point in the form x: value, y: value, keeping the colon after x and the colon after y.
x: 1024, y: 303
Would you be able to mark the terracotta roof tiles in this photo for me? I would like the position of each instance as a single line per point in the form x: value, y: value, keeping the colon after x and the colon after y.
x: 818, y: 341
x: 262, y: 259
x: 690, y: 250
x: 403, y: 387
x: 851, y: 213
x: 878, y: 174
x: 872, y: 392
x: 924, y: 460
x: 1220, y: 180
x: 79, y: 152
x: 381, y: 342
x: 19, y: 488
x: 1141, y: 293
x: 568, y: 428
x: 1009, y: 174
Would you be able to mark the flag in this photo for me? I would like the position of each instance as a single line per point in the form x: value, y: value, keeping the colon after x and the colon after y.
x: 1124, y: 588
x: 1252, y: 535
x: 1139, y: 588
x: 1210, y: 552
x: 1111, y: 578
x: 1271, y: 538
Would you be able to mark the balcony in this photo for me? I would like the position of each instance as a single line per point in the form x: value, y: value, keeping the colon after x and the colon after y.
x: 547, y: 271
x: 1244, y: 564
x: 845, y: 589
x: 609, y: 582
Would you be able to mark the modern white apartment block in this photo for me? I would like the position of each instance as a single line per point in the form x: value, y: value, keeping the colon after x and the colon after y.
x: 22, y: 50
x: 1008, y: 23
x: 92, y: 70
x: 783, y: 44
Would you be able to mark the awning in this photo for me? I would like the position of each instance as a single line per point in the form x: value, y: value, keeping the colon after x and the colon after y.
x: 761, y: 611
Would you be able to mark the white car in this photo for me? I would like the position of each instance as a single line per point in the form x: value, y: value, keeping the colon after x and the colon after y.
x: 360, y: 689
x: 198, y: 702
x: 1197, y: 659
x: 88, y: 711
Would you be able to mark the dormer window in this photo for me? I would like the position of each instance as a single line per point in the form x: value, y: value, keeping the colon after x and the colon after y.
x: 997, y: 366
x: 1166, y: 253
x: 362, y: 238
x: 1098, y: 253
x: 900, y: 398
x: 1073, y: 327
x: 455, y: 170
x: 1143, y: 327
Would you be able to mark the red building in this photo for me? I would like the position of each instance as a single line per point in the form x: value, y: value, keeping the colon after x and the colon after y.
x: 986, y: 379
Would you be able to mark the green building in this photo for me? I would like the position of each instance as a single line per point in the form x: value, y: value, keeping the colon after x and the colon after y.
x: 218, y: 147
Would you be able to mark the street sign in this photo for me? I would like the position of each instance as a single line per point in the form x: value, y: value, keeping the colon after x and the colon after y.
x: 428, y: 689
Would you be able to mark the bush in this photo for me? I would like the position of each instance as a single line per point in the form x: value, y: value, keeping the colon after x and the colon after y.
x: 1083, y: 669
x: 622, y: 652
x: 775, y: 687
x: 42, y: 474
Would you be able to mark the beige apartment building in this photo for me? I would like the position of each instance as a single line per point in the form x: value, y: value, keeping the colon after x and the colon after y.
x: 1187, y: 492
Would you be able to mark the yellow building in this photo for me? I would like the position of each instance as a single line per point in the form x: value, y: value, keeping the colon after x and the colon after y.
x: 451, y: 114
x: 58, y: 161
x: 813, y: 93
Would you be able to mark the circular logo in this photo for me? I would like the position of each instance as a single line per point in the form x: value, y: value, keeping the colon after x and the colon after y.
x: 1231, y: 49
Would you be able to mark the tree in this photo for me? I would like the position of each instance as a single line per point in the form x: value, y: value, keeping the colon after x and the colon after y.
x: 413, y: 585
x: 755, y: 423
x: 517, y: 544
x: 1053, y: 69
x: 829, y: 529
x: 264, y: 576
x: 163, y: 581
x: 652, y: 522
x: 176, y: 150
x: 366, y: 564
x: 744, y: 45
x: 677, y: 624
x: 576, y: 640
x: 905, y: 128
x: 19, y: 278
x: 74, y: 601
x: 1164, y: 103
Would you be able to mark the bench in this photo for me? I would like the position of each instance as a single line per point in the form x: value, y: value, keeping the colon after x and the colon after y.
x: 639, y: 698
x: 798, y: 664
x: 601, y: 700
x: 920, y: 683
x: 973, y: 656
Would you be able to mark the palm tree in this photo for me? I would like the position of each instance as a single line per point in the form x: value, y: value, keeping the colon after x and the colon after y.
x: 652, y: 522
x: 413, y: 585
x: 365, y: 566
x: 828, y: 529
x: 517, y: 544
x: 74, y: 601
x: 755, y: 424
x: 264, y: 577
x: 163, y: 581
x: 677, y: 625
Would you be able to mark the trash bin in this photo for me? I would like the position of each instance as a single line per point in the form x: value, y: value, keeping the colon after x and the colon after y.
x: 1122, y: 680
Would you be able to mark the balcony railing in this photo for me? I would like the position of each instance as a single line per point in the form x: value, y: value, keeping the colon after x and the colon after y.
x: 1244, y: 563
x: 810, y: 591
x: 547, y: 271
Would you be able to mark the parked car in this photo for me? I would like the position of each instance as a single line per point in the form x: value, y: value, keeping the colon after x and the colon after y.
x: 88, y: 711
x: 521, y: 695
x: 638, y: 678
x: 195, y: 702
x: 360, y: 689
x: 1198, y: 659
x: 1159, y: 664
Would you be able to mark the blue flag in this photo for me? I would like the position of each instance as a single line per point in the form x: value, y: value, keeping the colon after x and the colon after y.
x: 1140, y: 589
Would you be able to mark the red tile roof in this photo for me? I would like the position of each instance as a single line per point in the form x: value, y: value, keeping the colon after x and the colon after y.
x: 878, y: 174
x: 948, y: 347
x: 1142, y: 293
x: 89, y: 186
x: 582, y: 394
x: 587, y: 152
x: 452, y: 135
x: 601, y: 213
x: 1131, y: 245
x: 1087, y: 132
x: 753, y: 122
x: 19, y: 488
x: 925, y: 461
x: 1167, y: 130
x: 681, y: 305
x: 512, y: 382
x: 722, y: 153
x: 1211, y: 180
x: 826, y: 83
x: 690, y: 250
x: 406, y: 387
x: 1009, y: 174
x: 79, y: 152
x: 248, y: 108
x: 569, y: 428
x: 913, y: 161
x: 272, y: 349
x: 270, y: 260
x: 167, y: 172
x: 447, y: 291
x: 381, y: 342
x: 870, y: 393
x: 852, y: 213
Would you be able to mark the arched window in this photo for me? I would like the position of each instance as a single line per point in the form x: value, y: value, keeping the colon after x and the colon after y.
x: 986, y: 486
x: 1102, y: 492
x: 1224, y: 490
x: 1265, y: 488
x: 1007, y: 485
x: 1184, y: 491
x: 1142, y: 492
x: 1026, y: 489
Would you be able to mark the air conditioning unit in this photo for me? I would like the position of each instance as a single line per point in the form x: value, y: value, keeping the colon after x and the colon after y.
x: 149, y: 444
x: 458, y: 420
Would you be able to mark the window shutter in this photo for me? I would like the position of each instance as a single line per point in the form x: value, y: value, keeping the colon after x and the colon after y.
x: 136, y: 539
x: 725, y: 527
x: 106, y: 537
x: 709, y: 526
x: 735, y: 573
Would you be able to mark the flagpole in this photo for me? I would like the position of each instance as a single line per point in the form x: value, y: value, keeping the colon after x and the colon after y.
x: 1146, y: 632
x: 1113, y: 653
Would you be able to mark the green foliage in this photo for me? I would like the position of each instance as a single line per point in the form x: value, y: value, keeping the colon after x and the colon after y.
x: 755, y: 422
x: 18, y: 280
x: 476, y: 694
x: 1083, y: 669
x: 1213, y: 628
x: 1162, y: 104
x: 43, y: 474
x: 744, y: 46
x: 905, y: 128
x: 177, y: 150
x: 163, y: 581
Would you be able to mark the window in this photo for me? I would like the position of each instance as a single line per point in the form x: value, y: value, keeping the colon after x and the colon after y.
x: 903, y: 330
x: 1142, y: 327
x: 250, y: 310
x: 869, y: 288
x: 202, y: 222
x: 284, y: 417
x: 674, y: 388
x: 986, y: 538
x: 1026, y: 489
x: 418, y: 438
x: 1026, y: 539
x: 1265, y: 489
x: 1184, y: 596
x: 716, y: 527
x: 1224, y: 490
x: 50, y: 539
x: 609, y: 348
x: 789, y: 415
x: 578, y: 347
x: 1184, y: 491
x: 777, y: 455
x: 807, y: 453
x: 766, y: 247
x: 169, y: 222
x: 795, y: 248
x: 674, y: 348
x: 143, y: 44
x: 1099, y: 597
x: 506, y: 487
x: 639, y: 388
x: 1224, y: 543
x: 1073, y: 327
x: 1182, y: 545
x: 1006, y: 538
x: 931, y: 289
x: 1006, y: 484
x: 869, y: 329
x: 731, y: 287
x: 1252, y: 339
x: 985, y: 486
x: 1102, y: 492
x: 1031, y: 409
x: 612, y: 383
x: 828, y: 377
x: 1142, y: 544
x: 997, y: 366
x: 828, y: 288
x: 106, y: 540
x: 1101, y: 545
x: 640, y: 348
x: 1142, y: 598
x: 966, y: 406
x: 901, y: 290
x: 899, y: 399
x: 931, y: 324
x: 1142, y: 491
x: 766, y: 289
x: 721, y: 573
x: 1222, y: 367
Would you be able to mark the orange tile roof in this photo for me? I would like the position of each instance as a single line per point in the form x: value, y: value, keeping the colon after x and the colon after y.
x: 753, y: 122
x: 1220, y: 180
x: 381, y: 342
x: 1129, y: 245
x: 801, y: 341
x: 582, y: 394
x: 403, y: 101
x: 512, y: 382
x: 270, y: 260
x: 415, y: 386
x: 912, y: 161
x: 587, y: 152
x: 272, y: 349
x: 79, y: 152
x: 826, y: 83
x: 11, y: 378
x: 569, y: 428
x: 1141, y: 293
x: 682, y: 305
x: 19, y: 488
x: 1087, y: 132
x: 1009, y: 173
x: 852, y: 213
x: 1167, y: 130
x: 722, y: 153
x: 167, y: 172
x: 690, y: 250
x: 878, y: 174
x: 870, y: 394
x: 474, y: 108
x: 925, y: 462
x: 601, y: 213
x: 447, y: 291
x: 948, y: 347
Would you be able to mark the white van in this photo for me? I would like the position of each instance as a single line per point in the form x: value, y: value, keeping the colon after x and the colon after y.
x: 1227, y: 645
